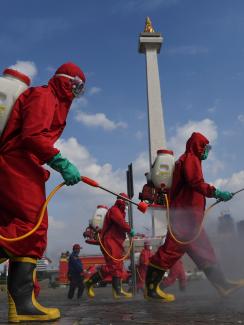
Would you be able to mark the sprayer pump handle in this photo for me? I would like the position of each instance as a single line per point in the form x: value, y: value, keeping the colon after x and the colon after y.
x: 89, y: 181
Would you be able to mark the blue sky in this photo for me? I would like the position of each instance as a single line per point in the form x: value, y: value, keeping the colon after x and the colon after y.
x: 202, y: 76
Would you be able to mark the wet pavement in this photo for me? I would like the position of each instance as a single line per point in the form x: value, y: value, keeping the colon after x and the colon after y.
x: 199, y: 305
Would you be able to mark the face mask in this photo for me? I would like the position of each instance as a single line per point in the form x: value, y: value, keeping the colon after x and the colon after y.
x: 77, y: 84
x: 206, y: 152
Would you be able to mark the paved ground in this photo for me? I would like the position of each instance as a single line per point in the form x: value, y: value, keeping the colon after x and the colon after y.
x: 199, y: 305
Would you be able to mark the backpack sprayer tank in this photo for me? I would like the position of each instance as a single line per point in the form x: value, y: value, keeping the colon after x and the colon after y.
x: 12, y: 84
x: 159, y: 180
x: 97, y: 220
x: 162, y: 169
x: 95, y: 225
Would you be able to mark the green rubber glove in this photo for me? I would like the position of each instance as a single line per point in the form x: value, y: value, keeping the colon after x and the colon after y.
x: 132, y: 232
x: 69, y: 172
x: 223, y: 195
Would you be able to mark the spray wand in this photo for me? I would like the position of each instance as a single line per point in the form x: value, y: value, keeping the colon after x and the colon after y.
x: 141, y: 206
x: 219, y: 200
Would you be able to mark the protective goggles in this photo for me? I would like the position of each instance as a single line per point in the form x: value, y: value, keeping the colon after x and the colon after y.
x: 208, y: 147
x: 77, y: 84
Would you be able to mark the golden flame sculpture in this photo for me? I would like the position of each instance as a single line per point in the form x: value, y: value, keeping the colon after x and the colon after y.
x: 148, y: 26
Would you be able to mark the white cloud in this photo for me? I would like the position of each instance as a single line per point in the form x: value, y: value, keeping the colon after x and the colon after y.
x: 241, y: 118
x: 26, y: 67
x: 178, y: 142
x: 233, y: 183
x: 80, y: 102
x: 86, y: 163
x: 208, y: 128
x: 235, y: 206
x: 187, y: 50
x: 94, y: 90
x: 54, y: 225
x: 99, y: 120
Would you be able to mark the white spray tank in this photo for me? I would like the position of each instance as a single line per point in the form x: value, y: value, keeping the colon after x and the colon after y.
x: 98, y: 217
x: 162, y: 169
x: 12, y: 84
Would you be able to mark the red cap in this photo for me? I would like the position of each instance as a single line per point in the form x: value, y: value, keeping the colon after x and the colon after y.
x: 76, y: 246
x: 102, y: 206
x: 18, y: 75
x: 169, y: 152
x: 124, y: 195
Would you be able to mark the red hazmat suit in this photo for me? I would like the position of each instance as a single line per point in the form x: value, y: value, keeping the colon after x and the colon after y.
x: 36, y: 122
x: 113, y: 236
x: 145, y: 255
x: 177, y: 272
x: 187, y: 204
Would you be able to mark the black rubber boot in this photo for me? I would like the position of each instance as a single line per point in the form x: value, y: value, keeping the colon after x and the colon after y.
x: 95, y: 278
x: 3, y: 255
x: 118, y: 292
x: 22, y: 303
x: 152, y: 289
x: 224, y: 287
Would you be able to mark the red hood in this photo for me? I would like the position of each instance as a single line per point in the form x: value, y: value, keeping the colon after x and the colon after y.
x: 120, y: 204
x: 62, y: 85
x: 196, y: 144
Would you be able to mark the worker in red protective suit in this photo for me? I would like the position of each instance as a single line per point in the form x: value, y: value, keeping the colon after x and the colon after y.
x: 177, y: 272
x: 37, y: 120
x: 141, y: 269
x: 112, y: 236
x: 187, y: 203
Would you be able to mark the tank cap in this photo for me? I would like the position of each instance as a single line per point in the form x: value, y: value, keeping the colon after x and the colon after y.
x: 102, y: 206
x: 169, y: 152
x: 22, y: 77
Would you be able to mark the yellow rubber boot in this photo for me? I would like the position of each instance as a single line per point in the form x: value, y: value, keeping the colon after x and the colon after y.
x: 218, y: 280
x: 152, y: 289
x: 125, y: 293
x: 117, y: 289
x: 23, y: 306
x: 89, y: 284
x: 230, y: 287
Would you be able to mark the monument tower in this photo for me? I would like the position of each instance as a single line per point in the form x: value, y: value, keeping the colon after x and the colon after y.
x: 150, y: 44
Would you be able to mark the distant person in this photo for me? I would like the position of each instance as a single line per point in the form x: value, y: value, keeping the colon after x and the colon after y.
x: 113, y: 235
x: 141, y: 268
x: 75, y: 273
x: 177, y: 272
x: 187, y: 203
